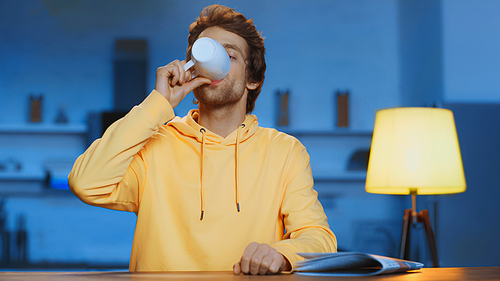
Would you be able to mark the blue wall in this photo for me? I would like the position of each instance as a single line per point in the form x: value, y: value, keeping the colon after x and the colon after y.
x: 421, y: 71
x: 471, y: 39
x: 386, y: 53
x: 65, y: 50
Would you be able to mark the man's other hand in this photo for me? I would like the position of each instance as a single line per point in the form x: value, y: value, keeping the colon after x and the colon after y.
x: 174, y: 83
x: 261, y: 259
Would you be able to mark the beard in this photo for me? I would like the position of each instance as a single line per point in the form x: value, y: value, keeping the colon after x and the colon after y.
x: 225, y: 94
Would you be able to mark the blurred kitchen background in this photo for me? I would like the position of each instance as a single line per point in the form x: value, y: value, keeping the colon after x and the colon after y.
x: 68, y: 68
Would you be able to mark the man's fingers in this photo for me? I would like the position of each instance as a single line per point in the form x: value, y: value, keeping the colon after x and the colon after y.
x: 188, y: 74
x: 175, y: 76
x: 171, y: 81
x: 236, y: 268
x: 256, y: 261
x: 247, y: 257
x: 195, y: 83
x: 277, y: 265
x: 265, y: 264
x: 179, y: 72
x: 182, y: 73
x: 260, y: 259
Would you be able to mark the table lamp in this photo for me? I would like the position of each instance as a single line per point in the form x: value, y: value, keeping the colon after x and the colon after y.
x: 415, y: 151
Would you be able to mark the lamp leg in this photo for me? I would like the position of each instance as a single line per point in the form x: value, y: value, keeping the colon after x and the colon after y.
x: 424, y: 217
x: 404, y: 247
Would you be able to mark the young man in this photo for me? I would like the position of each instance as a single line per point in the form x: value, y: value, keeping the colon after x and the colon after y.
x: 212, y: 190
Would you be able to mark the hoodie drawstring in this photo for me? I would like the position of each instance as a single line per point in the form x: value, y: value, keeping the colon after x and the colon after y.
x: 237, y: 169
x: 237, y: 164
x: 202, y: 198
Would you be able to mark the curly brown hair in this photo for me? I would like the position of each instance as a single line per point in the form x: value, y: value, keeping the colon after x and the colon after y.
x: 232, y: 21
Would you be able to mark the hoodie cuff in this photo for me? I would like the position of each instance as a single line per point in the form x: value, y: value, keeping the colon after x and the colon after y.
x: 289, y: 253
x: 158, y: 107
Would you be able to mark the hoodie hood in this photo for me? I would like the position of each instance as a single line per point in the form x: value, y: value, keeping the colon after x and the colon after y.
x: 189, y: 127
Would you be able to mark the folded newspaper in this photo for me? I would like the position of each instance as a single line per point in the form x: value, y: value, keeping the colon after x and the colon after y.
x: 351, y: 264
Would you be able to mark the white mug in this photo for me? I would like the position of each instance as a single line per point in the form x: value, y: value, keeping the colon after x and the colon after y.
x: 209, y: 58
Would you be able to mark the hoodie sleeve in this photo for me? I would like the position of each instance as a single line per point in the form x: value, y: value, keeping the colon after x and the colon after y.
x: 306, y: 224
x: 111, y: 171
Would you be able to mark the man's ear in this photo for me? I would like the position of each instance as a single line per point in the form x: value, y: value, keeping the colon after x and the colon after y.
x: 252, y: 85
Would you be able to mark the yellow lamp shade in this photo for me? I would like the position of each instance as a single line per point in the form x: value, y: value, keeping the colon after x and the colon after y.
x: 415, y: 150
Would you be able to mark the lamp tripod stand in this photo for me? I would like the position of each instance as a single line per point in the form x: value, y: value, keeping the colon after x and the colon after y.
x: 411, y: 217
x: 415, y: 150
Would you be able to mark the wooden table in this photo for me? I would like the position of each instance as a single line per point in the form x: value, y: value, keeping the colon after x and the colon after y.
x: 439, y: 274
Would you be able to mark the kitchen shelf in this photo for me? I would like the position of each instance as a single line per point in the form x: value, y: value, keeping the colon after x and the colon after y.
x: 22, y: 176
x: 26, y: 128
x: 329, y: 133
x: 339, y: 176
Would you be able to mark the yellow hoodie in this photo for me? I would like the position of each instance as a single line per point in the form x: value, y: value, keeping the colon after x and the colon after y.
x: 200, y: 199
